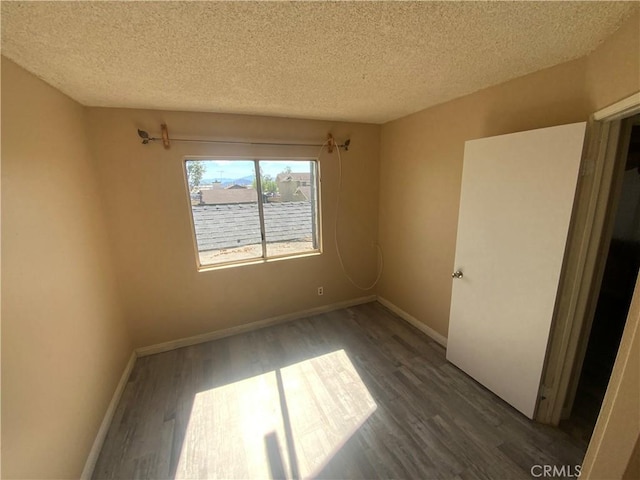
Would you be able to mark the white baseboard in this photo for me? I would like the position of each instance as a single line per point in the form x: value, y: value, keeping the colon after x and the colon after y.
x: 430, y: 332
x: 90, y: 464
x: 227, y: 332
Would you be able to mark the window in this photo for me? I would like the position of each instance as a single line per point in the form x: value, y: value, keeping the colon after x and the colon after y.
x: 244, y: 210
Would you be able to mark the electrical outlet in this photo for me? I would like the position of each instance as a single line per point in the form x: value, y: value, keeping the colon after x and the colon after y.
x: 320, y: 291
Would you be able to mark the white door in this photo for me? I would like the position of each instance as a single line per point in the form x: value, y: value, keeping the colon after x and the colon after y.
x: 515, y: 207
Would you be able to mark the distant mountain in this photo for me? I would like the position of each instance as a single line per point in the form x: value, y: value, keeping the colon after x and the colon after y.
x: 248, y: 180
x: 214, y: 180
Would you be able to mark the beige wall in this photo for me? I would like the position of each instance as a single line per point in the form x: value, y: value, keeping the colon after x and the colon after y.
x: 421, y: 172
x: 165, y: 297
x: 613, y: 70
x: 421, y: 163
x: 64, y: 343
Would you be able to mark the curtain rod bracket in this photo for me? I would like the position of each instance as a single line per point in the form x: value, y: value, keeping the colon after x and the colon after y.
x: 165, y: 136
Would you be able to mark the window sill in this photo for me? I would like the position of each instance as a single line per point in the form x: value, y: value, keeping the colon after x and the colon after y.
x: 256, y: 261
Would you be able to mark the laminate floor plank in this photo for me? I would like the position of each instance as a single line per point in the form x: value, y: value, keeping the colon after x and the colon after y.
x: 356, y: 393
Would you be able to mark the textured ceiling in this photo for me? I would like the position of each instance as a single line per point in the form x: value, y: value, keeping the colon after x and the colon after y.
x: 357, y: 61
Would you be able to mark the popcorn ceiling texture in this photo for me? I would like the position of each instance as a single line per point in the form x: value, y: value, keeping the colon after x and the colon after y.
x: 352, y: 61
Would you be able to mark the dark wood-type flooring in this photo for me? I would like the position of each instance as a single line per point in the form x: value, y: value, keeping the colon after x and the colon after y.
x: 355, y: 393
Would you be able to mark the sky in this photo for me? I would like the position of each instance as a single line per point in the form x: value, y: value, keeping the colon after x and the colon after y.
x: 240, y: 168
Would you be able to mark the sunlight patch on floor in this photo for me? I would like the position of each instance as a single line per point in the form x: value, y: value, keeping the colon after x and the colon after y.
x: 287, y: 422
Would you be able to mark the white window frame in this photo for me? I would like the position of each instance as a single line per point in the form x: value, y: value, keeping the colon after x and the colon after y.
x: 265, y: 258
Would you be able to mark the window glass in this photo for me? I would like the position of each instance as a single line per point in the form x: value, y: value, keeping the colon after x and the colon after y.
x: 224, y: 205
x: 238, y: 218
x: 289, y: 207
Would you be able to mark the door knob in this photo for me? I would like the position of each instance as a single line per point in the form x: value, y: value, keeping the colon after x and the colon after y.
x: 457, y: 274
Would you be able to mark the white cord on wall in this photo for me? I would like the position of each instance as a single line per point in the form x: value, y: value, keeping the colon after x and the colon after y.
x: 380, y: 260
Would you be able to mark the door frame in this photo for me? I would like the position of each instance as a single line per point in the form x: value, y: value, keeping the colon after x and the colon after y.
x: 584, y: 261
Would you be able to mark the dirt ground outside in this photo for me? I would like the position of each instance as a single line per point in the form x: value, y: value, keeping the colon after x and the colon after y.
x: 224, y: 255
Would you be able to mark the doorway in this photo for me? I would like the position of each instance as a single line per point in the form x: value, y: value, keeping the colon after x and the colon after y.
x: 615, y: 292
